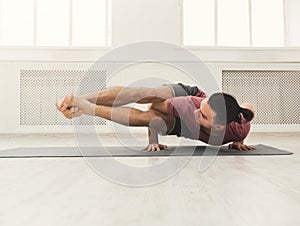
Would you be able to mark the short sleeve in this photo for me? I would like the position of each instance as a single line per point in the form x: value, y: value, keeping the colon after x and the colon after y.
x: 183, y: 107
x: 236, y: 131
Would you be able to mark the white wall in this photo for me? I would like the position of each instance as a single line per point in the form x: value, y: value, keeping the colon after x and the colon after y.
x: 144, y: 20
x: 134, y: 20
x: 293, y: 9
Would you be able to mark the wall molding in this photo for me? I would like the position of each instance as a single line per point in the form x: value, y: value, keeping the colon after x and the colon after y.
x: 213, y: 55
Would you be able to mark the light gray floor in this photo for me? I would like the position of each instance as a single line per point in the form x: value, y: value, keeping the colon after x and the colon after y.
x: 234, y: 190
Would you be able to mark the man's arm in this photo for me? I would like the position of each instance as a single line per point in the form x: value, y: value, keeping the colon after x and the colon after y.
x: 153, y: 141
x: 239, y: 145
x: 157, y: 125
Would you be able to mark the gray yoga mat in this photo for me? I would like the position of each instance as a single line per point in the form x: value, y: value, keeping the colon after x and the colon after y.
x: 38, y: 152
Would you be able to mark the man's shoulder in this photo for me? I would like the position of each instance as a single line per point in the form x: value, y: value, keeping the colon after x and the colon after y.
x: 238, y: 131
x: 197, y: 100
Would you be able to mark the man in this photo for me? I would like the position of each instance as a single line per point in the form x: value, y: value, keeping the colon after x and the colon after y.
x: 176, y: 109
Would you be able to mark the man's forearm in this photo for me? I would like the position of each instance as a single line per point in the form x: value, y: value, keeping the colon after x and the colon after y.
x: 152, y: 135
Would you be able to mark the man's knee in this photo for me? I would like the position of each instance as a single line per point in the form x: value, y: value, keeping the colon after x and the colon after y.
x: 164, y: 92
x: 138, y: 94
x: 154, y: 95
x: 161, y: 92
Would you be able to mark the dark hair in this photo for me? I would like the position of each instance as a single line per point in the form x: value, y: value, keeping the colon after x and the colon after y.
x: 227, y: 109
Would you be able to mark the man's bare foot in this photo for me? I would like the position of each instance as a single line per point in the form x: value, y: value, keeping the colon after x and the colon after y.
x: 66, y: 106
x: 72, y: 112
x: 71, y: 106
x: 84, y: 106
x: 65, y: 103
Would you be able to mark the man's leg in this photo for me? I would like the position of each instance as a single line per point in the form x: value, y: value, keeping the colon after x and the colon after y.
x: 120, y: 95
x: 124, y: 115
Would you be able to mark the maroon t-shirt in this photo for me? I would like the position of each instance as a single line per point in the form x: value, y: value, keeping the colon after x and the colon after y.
x: 184, y: 107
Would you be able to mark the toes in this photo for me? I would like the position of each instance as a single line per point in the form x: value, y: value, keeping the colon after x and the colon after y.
x: 65, y: 103
x: 69, y: 99
x: 59, y: 105
x: 64, y: 107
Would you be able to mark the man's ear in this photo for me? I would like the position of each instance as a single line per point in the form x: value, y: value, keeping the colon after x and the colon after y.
x: 219, y: 127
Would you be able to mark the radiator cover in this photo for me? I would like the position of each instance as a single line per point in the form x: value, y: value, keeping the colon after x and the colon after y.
x: 275, y: 94
x: 39, y: 90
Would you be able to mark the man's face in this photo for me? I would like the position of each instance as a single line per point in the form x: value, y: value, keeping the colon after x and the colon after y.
x: 205, y: 115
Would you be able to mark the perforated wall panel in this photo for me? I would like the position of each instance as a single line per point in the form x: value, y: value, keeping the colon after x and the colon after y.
x: 39, y: 90
x: 275, y: 95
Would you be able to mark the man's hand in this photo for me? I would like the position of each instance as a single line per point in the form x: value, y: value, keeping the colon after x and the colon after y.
x: 240, y: 146
x: 156, y: 147
x: 68, y: 111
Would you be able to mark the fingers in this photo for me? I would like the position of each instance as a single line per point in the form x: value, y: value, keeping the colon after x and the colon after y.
x: 250, y: 148
x: 241, y: 147
x: 156, y: 147
x: 247, y: 148
x: 163, y: 147
x: 151, y: 147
